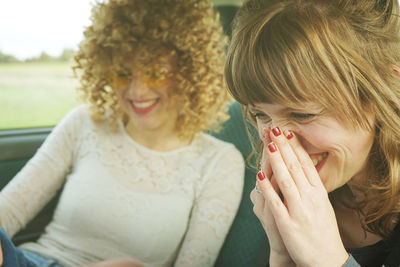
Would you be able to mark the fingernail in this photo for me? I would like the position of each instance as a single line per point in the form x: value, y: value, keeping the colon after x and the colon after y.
x: 272, y: 147
x: 289, y: 135
x: 261, y: 175
x: 276, y: 131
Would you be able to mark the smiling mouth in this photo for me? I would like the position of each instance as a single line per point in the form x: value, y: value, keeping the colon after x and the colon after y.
x: 143, y: 107
x: 318, y: 160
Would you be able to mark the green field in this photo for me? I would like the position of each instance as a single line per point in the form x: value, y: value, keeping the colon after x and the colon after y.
x: 35, y: 94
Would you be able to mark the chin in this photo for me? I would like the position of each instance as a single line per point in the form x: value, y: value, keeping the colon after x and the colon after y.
x: 329, y: 187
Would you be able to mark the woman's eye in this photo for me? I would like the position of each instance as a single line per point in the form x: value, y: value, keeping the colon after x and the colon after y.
x: 122, y: 73
x: 261, y: 117
x: 258, y: 115
x: 302, y: 116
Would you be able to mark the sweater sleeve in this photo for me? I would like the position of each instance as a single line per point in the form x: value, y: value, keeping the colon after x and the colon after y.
x: 351, y: 262
x: 214, y: 210
x: 38, y: 181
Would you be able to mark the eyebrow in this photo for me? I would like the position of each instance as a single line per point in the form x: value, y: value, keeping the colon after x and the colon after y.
x: 283, y: 110
x: 252, y: 109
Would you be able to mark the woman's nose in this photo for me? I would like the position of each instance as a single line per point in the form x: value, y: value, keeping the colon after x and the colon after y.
x: 138, y: 88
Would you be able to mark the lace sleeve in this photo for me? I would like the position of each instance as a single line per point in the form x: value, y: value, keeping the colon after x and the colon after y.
x: 214, y: 210
x: 38, y: 181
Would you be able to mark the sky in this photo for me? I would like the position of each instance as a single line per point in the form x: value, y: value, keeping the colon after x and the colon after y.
x: 28, y: 27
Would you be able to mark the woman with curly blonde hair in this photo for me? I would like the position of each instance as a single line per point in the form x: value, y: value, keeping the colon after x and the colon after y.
x: 321, y: 81
x: 143, y: 182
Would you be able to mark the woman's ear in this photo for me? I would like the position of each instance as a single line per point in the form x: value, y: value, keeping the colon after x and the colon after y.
x: 396, y: 69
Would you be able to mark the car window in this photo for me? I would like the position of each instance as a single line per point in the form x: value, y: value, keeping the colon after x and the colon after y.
x: 38, y: 39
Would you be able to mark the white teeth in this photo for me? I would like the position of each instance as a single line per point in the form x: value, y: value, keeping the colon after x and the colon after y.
x: 143, y: 104
x: 315, y: 162
x: 319, y: 159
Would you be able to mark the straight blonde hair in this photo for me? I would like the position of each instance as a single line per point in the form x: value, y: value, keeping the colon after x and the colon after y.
x: 338, y: 54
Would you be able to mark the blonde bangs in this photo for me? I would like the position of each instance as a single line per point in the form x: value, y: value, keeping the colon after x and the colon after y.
x: 289, y: 57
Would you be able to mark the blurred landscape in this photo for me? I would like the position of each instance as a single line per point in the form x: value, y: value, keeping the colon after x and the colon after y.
x: 36, y: 92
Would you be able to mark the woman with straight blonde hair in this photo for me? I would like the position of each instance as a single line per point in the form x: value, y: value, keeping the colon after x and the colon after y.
x: 320, y: 79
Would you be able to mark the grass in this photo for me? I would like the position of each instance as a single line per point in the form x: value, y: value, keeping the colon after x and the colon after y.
x: 35, y: 94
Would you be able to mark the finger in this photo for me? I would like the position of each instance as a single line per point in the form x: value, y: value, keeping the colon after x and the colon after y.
x: 309, y: 169
x: 291, y: 161
x: 258, y: 203
x: 255, y: 196
x: 265, y: 166
x: 282, y: 176
x: 271, y: 229
x: 275, y: 184
x: 266, y: 136
x: 273, y: 201
x: 268, y: 172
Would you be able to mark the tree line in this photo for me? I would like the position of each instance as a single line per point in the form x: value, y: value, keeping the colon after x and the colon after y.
x: 65, y: 55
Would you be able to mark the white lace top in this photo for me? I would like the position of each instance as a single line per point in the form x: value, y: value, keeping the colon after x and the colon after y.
x: 122, y: 200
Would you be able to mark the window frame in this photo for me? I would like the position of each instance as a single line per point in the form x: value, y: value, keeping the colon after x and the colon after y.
x: 18, y: 144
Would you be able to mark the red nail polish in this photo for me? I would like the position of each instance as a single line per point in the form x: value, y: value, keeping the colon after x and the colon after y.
x: 276, y: 131
x: 289, y: 135
x: 261, y: 175
x: 272, y: 147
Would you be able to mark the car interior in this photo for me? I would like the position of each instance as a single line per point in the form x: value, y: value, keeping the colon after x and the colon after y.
x: 246, y: 240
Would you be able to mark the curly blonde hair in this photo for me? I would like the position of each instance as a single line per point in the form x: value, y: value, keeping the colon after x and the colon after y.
x: 188, y: 30
x: 342, y: 52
